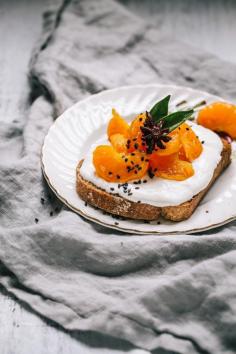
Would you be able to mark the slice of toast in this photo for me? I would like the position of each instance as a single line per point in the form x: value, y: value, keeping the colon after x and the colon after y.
x: 114, y: 204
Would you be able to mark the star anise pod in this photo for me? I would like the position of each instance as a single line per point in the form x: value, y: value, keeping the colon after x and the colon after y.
x: 154, y: 134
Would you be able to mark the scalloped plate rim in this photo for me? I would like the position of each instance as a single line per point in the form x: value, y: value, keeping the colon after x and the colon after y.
x: 112, y: 226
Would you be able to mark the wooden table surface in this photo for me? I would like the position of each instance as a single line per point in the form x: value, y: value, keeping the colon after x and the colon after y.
x: 209, y: 25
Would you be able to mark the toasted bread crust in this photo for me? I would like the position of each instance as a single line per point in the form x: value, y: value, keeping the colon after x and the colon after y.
x: 117, y: 205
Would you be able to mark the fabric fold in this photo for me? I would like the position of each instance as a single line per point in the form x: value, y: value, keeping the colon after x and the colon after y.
x: 172, y: 293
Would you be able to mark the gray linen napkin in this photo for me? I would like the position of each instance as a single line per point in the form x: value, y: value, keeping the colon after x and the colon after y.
x: 175, y: 293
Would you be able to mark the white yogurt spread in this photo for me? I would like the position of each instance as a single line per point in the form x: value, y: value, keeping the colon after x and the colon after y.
x: 159, y: 191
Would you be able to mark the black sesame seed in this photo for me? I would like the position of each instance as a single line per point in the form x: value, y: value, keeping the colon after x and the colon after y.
x: 136, y: 188
x: 112, y: 189
x: 132, y: 153
x: 187, y: 128
x: 36, y: 220
x: 132, y: 162
x: 140, y: 119
x: 42, y: 200
x: 117, y: 176
x: 116, y: 223
x: 136, y: 146
x: 136, y: 172
x: 130, y: 193
x: 110, y: 173
x: 207, y: 211
x: 142, y: 158
x: 84, y: 204
x: 144, y: 181
x: 158, y: 223
x: 146, y: 222
x: 139, y: 201
x: 128, y: 141
x: 126, y: 160
x: 150, y: 173
x: 203, y: 142
x: 119, y: 185
x: 134, y: 139
x: 51, y: 213
x: 146, y: 160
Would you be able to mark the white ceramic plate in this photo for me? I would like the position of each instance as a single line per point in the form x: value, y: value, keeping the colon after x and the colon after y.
x: 73, y: 132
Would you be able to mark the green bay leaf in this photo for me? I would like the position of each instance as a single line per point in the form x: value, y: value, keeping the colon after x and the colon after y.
x: 160, y: 109
x: 173, y: 120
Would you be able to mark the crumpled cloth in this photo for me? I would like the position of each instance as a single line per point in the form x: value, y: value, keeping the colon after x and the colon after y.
x: 173, y: 293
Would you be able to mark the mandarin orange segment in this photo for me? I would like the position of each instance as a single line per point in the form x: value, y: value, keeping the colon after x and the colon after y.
x: 136, y: 144
x: 118, y: 141
x: 172, y: 146
x: 135, y: 135
x: 182, y: 155
x: 191, y: 145
x: 170, y: 167
x: 220, y: 117
x: 117, y: 125
x: 118, y: 167
x: 136, y: 124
